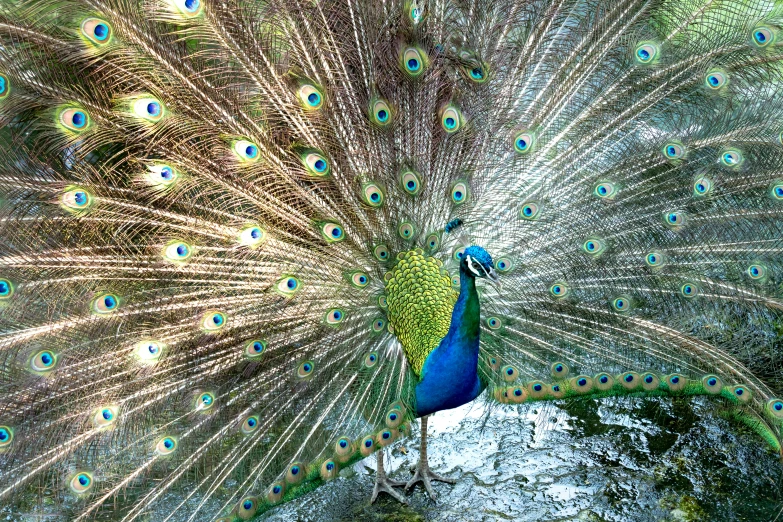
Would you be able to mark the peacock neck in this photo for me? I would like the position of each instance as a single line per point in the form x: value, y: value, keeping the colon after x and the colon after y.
x: 449, y: 376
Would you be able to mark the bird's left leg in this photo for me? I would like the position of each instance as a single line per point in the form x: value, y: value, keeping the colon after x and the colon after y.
x: 384, y: 483
x: 423, y: 472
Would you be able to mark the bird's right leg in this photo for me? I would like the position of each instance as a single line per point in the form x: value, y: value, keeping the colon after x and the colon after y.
x: 384, y: 483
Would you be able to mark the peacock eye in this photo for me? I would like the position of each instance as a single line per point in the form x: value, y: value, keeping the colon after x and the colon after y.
x: 81, y: 483
x: 530, y: 211
x: 249, y: 425
x: 621, y: 304
x: 381, y: 253
x: 763, y: 36
x: 410, y: 181
x: 213, y: 321
x: 774, y: 406
x: 316, y: 164
x: 605, y: 190
x: 5, y: 86
x: 509, y: 373
x: 593, y: 246
x: 715, y: 79
x: 163, y: 175
x: 288, y: 285
x: 255, y: 348
x: 732, y: 158
x: 43, y: 361
x: 674, y: 219
x: 105, y: 304
x: 166, y: 446
x: 76, y: 120
x: 378, y: 325
x: 246, y: 151
x: 247, y: 508
x: 105, y: 416
x: 459, y: 193
x: 149, y: 109
x: 451, y: 119
x: 523, y: 142
x: 414, y: 61
x: 371, y: 359
x: 702, y: 187
x: 366, y: 446
x: 458, y: 253
x: 205, y: 401
x: 646, y: 52
x: 6, y: 289
x: 432, y: 242
x: 311, y: 97
x: 373, y: 195
x: 381, y: 113
x: 493, y: 323
x: 332, y: 232
x: 252, y: 236
x: 189, y: 8
x: 406, y: 230
x: 305, y: 369
x: 757, y: 272
x: 177, y: 251
x: 6, y: 436
x: 673, y: 151
x: 148, y: 351
x: 334, y: 316
x: 97, y: 31
x: 654, y: 259
x: 503, y: 264
x: 689, y: 290
x: 777, y: 191
x: 558, y: 290
x: 275, y: 493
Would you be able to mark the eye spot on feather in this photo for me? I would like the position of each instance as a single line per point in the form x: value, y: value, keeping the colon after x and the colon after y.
x: 605, y: 190
x: 255, y: 349
x: 432, y: 242
x: 676, y: 382
x: 406, y: 230
x: 603, y: 381
x: 252, y: 236
x: 646, y: 53
x: 74, y: 119
x: 105, y: 304
x: 5, y: 86
x: 451, y: 119
x: 380, y: 113
x: 777, y: 191
x: 161, y: 175
x: 149, y: 109
x: 312, y: 97
x: 166, y: 446
x: 205, y: 401
x: 774, y: 406
x: 712, y: 384
x: 494, y: 323
x: 104, y: 417
x: 509, y: 373
x: 622, y: 304
x: 378, y: 325
x: 654, y: 259
x: 367, y: 446
x: 674, y: 219
x: 503, y: 265
x: 295, y: 473
x: 383, y: 301
x: 6, y: 289
x: 275, y: 493
x: 213, y: 321
x: 177, y: 251
x: 741, y: 393
x: 316, y: 164
x: 6, y: 436
x: 410, y: 182
x: 674, y: 150
x: 559, y: 370
x: 305, y: 370
x: 689, y: 290
x: 246, y: 151
x: 762, y: 36
x: 650, y: 381
x: 332, y: 232
x: 523, y: 142
x: 343, y: 449
x: 394, y: 419
x: 249, y: 425
x: 370, y: 360
x: 188, y: 8
x: 329, y: 469
x: 43, y: 362
x: 81, y: 483
x: 537, y: 389
x: 757, y: 272
x: 148, y: 351
x: 288, y: 286
x: 732, y: 158
x: 459, y: 193
x: 594, y: 246
x: 359, y: 279
x: 414, y: 61
x: 702, y: 187
x: 247, y: 508
x: 716, y: 79
x: 373, y: 195
x: 559, y: 290
x: 629, y: 380
x: 97, y: 31
x: 381, y: 253
x: 582, y: 383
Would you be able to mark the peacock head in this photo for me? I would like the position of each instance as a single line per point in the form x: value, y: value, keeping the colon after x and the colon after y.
x: 476, y: 262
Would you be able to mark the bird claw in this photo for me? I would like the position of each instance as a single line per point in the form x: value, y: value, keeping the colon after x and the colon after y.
x: 387, y: 485
x: 425, y: 475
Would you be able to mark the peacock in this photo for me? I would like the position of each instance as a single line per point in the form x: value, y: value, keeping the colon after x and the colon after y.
x: 246, y: 244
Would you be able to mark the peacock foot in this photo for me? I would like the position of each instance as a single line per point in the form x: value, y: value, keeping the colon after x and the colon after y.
x: 385, y: 484
x: 425, y: 475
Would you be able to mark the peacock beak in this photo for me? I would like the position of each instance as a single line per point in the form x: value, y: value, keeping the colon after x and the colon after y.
x: 493, y: 277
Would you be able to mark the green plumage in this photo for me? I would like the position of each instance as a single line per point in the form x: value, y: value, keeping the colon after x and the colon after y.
x: 227, y: 229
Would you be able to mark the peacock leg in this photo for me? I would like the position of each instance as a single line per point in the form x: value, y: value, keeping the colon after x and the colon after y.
x: 423, y: 472
x: 384, y: 483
